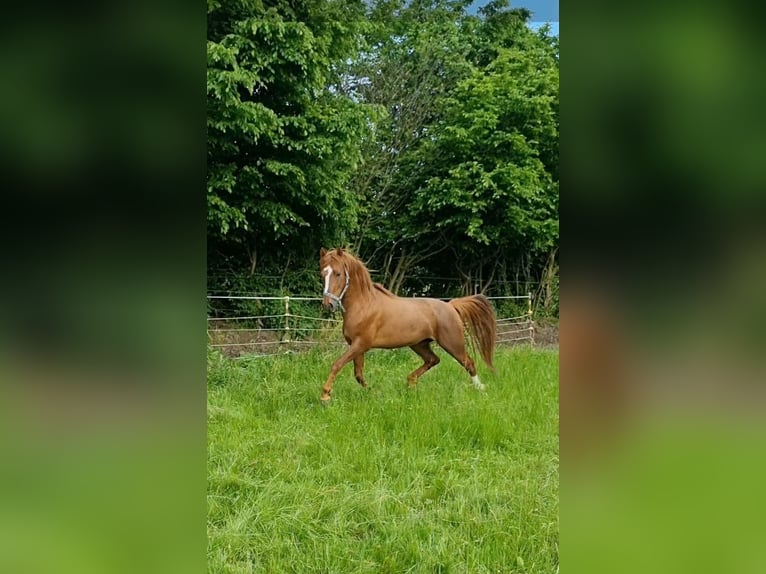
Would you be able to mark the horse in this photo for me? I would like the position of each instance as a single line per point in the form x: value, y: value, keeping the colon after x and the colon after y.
x: 373, y: 317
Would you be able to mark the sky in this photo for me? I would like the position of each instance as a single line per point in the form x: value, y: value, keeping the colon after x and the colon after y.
x: 554, y: 26
x: 542, y: 11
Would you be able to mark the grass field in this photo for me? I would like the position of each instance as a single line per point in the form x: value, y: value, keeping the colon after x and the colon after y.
x: 441, y: 478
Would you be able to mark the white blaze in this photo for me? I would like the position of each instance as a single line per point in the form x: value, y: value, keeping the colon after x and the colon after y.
x: 327, y: 272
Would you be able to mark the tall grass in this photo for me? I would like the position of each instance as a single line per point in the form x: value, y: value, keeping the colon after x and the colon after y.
x: 440, y: 478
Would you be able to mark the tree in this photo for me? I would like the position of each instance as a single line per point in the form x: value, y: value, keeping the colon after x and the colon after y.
x: 467, y: 158
x: 417, y: 52
x: 484, y: 177
x: 282, y: 139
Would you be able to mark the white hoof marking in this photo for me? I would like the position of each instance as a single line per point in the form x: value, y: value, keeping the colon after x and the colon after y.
x: 477, y: 383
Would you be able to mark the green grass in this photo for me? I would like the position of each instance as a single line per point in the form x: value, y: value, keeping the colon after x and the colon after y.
x: 440, y: 478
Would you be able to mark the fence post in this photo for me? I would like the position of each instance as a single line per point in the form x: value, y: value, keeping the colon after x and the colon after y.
x: 531, y: 323
x: 287, y: 319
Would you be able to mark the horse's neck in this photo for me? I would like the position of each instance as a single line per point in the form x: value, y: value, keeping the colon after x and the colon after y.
x: 358, y: 300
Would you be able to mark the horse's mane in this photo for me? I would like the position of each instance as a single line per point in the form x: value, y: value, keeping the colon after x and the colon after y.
x: 383, y: 290
x: 358, y: 274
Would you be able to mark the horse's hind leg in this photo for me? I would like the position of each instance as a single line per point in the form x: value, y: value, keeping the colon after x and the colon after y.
x: 454, y: 344
x: 430, y: 359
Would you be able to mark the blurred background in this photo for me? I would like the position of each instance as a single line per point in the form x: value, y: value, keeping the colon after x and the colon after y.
x: 102, y: 308
x: 662, y: 312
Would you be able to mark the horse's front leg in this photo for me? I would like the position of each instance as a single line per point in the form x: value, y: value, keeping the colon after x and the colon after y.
x: 359, y: 370
x: 351, y: 354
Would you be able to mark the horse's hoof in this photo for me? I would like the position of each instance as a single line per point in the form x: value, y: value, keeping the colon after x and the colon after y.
x: 325, y: 401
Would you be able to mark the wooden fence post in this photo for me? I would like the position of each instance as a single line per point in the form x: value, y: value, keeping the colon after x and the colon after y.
x: 287, y: 319
x: 531, y: 323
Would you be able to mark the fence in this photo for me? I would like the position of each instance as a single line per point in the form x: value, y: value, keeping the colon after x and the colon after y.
x: 268, y: 326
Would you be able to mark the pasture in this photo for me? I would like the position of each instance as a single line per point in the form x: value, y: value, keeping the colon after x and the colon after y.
x: 439, y: 478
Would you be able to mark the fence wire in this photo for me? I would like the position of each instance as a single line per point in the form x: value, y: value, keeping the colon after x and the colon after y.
x: 243, y: 334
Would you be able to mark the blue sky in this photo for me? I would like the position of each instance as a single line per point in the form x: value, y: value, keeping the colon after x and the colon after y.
x: 542, y: 11
x: 554, y: 26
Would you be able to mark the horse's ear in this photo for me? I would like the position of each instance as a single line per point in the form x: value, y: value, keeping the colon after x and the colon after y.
x: 322, y: 252
x: 339, y: 251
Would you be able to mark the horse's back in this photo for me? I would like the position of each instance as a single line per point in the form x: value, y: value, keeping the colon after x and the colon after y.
x: 404, y: 321
x: 440, y: 315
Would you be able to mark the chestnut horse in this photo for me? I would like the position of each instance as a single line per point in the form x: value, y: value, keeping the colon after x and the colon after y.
x: 373, y: 317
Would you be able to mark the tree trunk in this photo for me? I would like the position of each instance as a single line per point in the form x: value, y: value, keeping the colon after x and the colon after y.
x: 397, y: 278
x: 544, y: 294
x: 251, y: 253
x: 284, y: 273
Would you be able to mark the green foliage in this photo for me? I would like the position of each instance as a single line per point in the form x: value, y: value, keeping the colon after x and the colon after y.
x: 467, y: 159
x: 281, y: 141
x: 485, y: 174
x: 440, y: 478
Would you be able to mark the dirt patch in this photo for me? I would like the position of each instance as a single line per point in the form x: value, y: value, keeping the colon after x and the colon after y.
x: 234, y: 341
x: 546, y: 334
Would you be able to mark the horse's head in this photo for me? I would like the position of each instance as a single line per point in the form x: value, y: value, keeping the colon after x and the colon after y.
x: 335, y: 276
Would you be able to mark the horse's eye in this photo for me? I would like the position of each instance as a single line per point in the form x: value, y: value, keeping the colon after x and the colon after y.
x: 337, y: 274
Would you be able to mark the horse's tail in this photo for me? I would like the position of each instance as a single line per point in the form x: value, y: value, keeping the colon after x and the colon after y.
x: 478, y: 316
